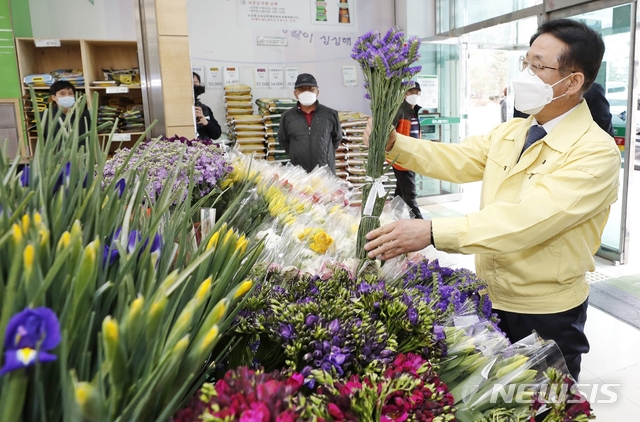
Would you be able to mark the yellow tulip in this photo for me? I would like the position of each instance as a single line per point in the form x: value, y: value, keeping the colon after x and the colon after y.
x: 28, y: 256
x: 37, y: 219
x: 212, y: 334
x: 213, y: 242
x: 136, y: 307
x: 44, y: 238
x: 244, y: 288
x: 219, y: 310
x: 25, y: 223
x: 83, y: 391
x: 110, y: 327
x: 203, y: 290
x: 64, y: 241
x: 242, y: 244
x: 17, y: 233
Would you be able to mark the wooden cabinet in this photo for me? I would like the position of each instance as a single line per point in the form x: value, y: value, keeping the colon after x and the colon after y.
x: 92, y: 57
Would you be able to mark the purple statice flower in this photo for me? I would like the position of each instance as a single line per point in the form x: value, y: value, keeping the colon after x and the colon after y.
x: 29, y: 336
x: 191, y: 160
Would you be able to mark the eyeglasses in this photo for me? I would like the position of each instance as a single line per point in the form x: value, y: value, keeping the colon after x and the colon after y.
x: 533, y: 66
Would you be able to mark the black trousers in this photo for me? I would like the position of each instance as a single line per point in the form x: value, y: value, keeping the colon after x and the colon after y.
x: 565, y: 328
x: 406, y: 189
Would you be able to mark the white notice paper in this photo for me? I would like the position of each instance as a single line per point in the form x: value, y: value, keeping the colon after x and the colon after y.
x: 47, y: 43
x: 350, y: 75
x: 262, y: 77
x: 231, y: 76
x: 117, y: 89
x: 214, y: 80
x: 290, y: 76
x: 429, y: 88
x: 276, y: 77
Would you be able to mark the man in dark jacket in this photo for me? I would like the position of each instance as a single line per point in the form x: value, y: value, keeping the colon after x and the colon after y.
x: 407, y: 123
x: 63, y: 97
x: 206, y: 124
x: 310, y: 133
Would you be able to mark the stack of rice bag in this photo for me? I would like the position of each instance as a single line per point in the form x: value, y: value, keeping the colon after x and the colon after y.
x: 351, y: 156
x: 245, y: 129
x: 271, y: 110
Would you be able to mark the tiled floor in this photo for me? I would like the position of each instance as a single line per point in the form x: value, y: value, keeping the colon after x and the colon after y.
x: 615, y: 346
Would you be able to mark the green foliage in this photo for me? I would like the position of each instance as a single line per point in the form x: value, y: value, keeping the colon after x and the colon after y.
x: 138, y: 332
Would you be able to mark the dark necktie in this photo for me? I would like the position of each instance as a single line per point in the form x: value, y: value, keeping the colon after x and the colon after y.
x: 535, y: 134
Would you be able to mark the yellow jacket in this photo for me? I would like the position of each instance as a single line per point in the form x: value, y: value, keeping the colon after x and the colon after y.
x: 541, y: 218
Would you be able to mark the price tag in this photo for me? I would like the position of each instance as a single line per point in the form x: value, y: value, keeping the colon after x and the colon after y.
x: 290, y: 76
x: 262, y: 77
x: 276, y: 77
x: 117, y: 90
x: 349, y: 75
x: 214, y: 81
x: 121, y: 137
x: 47, y: 43
x: 231, y: 76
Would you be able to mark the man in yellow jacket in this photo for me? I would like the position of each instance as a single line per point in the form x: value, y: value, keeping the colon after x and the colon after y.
x: 548, y: 183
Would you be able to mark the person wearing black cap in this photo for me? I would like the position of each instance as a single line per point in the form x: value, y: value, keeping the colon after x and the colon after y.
x: 406, y: 122
x: 310, y: 133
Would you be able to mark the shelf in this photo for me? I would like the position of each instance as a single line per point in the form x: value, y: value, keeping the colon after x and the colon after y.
x: 38, y: 60
x: 90, y: 56
x: 40, y: 88
x: 103, y: 88
x: 112, y: 55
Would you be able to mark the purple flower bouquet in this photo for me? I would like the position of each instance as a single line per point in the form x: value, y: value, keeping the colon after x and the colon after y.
x: 386, y: 64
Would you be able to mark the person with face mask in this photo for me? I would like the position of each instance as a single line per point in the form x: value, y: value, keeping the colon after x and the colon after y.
x: 206, y: 125
x: 406, y: 122
x: 548, y: 185
x: 598, y: 106
x: 311, y: 132
x: 63, y: 98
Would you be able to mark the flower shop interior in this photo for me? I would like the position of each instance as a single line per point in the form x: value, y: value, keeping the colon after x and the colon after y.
x: 149, y: 276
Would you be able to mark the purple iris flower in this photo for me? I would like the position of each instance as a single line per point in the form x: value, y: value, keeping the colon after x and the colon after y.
x: 120, y: 185
x: 64, y: 177
x: 30, y: 335
x: 24, y: 176
x: 110, y: 252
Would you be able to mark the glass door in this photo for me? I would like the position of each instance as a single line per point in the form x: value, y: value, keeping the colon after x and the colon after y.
x: 441, y: 114
x: 615, y: 24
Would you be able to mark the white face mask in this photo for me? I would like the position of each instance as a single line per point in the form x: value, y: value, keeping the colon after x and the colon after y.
x: 307, y: 98
x: 532, y: 94
x: 66, y: 102
x: 413, y: 99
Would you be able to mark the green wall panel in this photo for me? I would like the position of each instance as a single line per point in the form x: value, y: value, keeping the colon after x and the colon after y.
x: 9, y: 79
x: 21, y: 16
